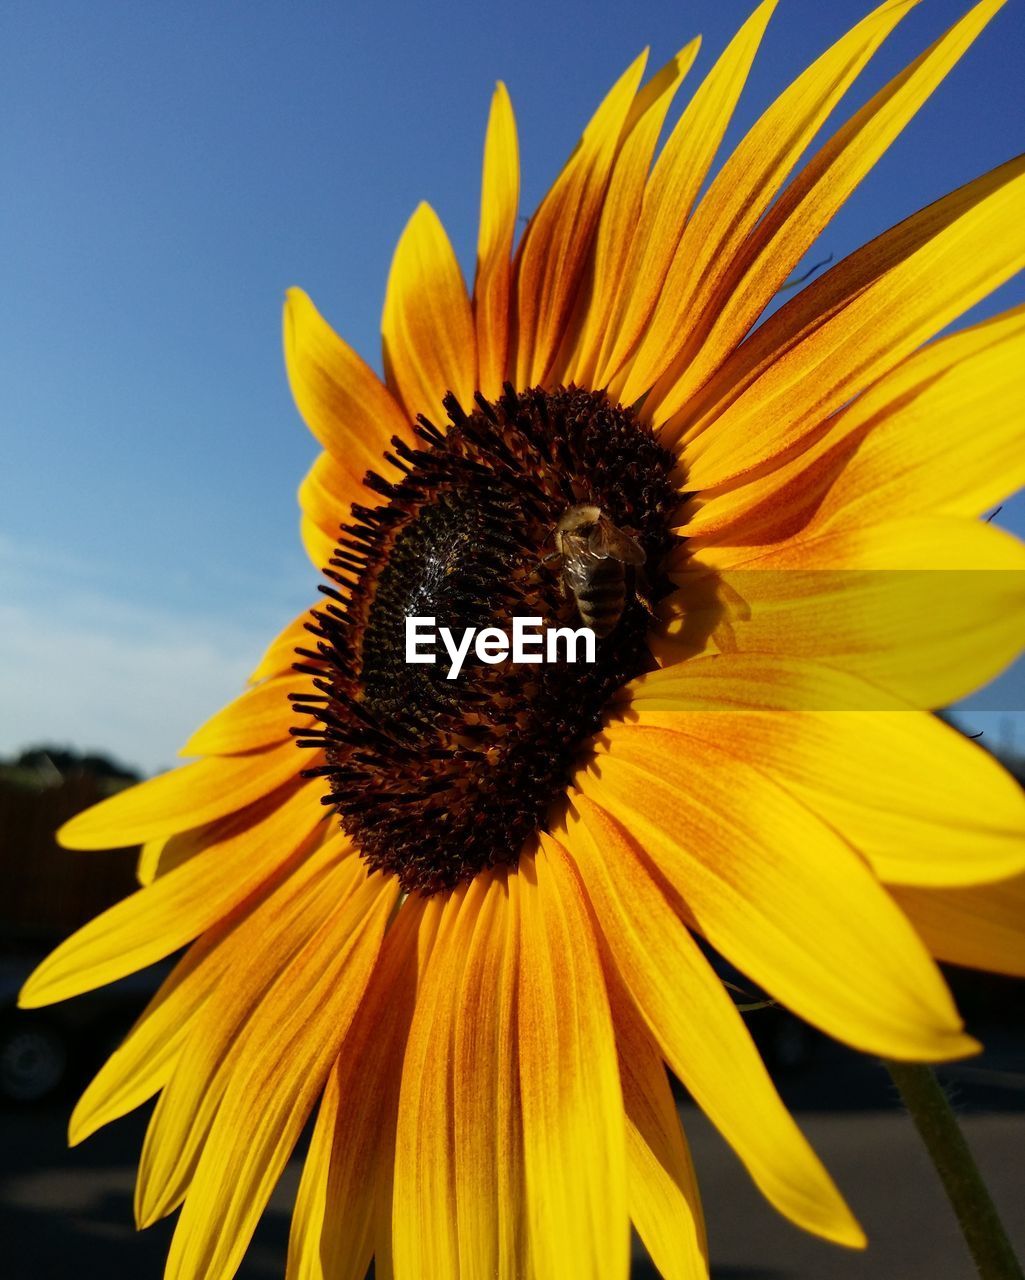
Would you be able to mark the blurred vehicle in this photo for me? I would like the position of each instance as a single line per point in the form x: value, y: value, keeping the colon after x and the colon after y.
x: 42, y: 1051
x: 46, y: 893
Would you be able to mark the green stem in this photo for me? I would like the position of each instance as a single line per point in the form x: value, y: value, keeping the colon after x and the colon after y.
x: 976, y: 1213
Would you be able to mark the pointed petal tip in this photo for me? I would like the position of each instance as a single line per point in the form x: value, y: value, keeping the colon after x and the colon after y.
x: 78, y: 1128
x: 947, y: 1046
x: 849, y: 1233
x: 28, y: 996
x: 74, y: 834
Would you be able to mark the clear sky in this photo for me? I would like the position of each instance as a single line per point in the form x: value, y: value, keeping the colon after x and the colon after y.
x: 170, y: 169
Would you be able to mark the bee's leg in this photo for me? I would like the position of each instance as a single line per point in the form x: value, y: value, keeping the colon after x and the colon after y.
x: 642, y: 590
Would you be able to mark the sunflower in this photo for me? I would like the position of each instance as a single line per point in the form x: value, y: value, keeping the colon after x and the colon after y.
x: 469, y: 921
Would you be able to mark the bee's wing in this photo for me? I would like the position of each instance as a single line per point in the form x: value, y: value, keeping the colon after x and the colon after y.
x: 611, y: 543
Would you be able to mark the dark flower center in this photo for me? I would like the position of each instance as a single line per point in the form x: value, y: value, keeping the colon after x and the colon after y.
x: 436, y: 779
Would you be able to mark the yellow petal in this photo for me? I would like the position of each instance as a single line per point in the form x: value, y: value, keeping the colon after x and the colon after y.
x: 778, y: 893
x: 427, y: 327
x: 280, y: 654
x: 943, y: 433
x: 260, y: 717
x: 142, y: 1064
x: 981, y: 926
x: 553, y: 254
x: 277, y: 932
x: 751, y: 682
x: 487, y: 1130
x: 162, y: 856
x: 318, y: 545
x: 353, y: 1146
x: 620, y: 215
x: 341, y: 399
x: 145, y: 1059
x: 929, y: 608
x: 851, y: 326
x: 662, y: 1191
x: 572, y: 1105
x: 499, y: 201
x: 305, y: 1260
x: 904, y: 447
x: 155, y: 921
x: 425, y: 1236
x: 458, y: 1167
x: 698, y: 1028
x: 183, y: 798
x: 673, y: 187
x: 147, y: 868
x: 924, y: 804
x: 328, y: 491
x: 738, y: 197
x: 282, y: 1059
x: 385, y: 1202
x: 736, y: 280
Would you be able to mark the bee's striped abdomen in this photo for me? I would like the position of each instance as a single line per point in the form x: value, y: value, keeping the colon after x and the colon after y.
x: 602, y: 597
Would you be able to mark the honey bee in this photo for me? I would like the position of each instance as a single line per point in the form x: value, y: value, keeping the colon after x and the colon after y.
x: 595, y: 554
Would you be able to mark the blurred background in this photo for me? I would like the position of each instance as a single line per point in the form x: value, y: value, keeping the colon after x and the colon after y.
x: 171, y: 170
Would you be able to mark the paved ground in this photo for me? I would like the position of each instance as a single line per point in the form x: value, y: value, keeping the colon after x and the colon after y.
x: 68, y: 1213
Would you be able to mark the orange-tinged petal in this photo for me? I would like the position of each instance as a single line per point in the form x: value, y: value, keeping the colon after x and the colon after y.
x: 943, y: 433
x: 155, y: 921
x: 142, y: 1064
x: 553, y: 254
x: 903, y: 447
x: 318, y: 545
x: 384, y: 1199
x: 305, y: 1260
x: 662, y: 1190
x: 851, y: 326
x: 930, y: 608
x: 425, y: 1235
x: 620, y: 215
x: 924, y: 804
x: 260, y: 717
x: 347, y: 1172
x: 673, y: 187
x: 698, y: 1028
x: 738, y: 280
x: 162, y: 856
x: 777, y: 892
x: 183, y: 798
x: 329, y: 490
x: 738, y: 197
x: 981, y: 926
x: 572, y: 1105
x: 277, y: 933
x: 145, y: 1059
x: 499, y: 201
x: 342, y: 401
x: 282, y: 1060
x: 458, y: 1167
x: 427, y: 327
x: 487, y: 1129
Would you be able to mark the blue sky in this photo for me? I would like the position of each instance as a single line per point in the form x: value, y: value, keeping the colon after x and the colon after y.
x: 172, y: 169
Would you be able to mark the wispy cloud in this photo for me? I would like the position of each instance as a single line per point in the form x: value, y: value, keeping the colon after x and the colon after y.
x: 81, y: 666
x: 136, y: 692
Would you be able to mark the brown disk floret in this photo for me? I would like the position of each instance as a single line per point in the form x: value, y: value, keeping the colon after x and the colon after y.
x: 437, y: 779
